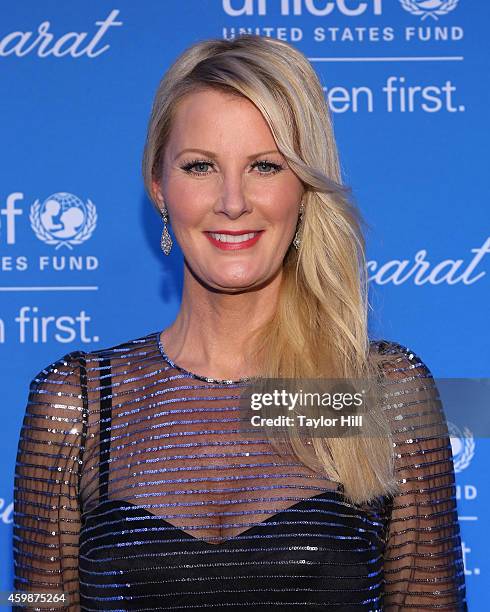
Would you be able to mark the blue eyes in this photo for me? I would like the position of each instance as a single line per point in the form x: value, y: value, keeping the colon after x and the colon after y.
x: 275, y: 167
x: 188, y: 167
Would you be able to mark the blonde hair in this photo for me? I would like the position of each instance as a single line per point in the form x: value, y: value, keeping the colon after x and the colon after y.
x: 319, y: 328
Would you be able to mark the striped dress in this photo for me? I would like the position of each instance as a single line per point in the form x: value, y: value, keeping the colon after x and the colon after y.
x: 136, y: 489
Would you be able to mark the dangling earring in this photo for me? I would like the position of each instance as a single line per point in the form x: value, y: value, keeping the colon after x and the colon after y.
x: 297, y: 237
x: 166, y: 240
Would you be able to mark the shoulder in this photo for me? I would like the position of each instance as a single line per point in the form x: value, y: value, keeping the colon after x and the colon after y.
x: 63, y: 371
x: 55, y: 405
x: 397, y: 360
x: 77, y: 359
x: 69, y: 370
x: 139, y: 345
x: 410, y: 395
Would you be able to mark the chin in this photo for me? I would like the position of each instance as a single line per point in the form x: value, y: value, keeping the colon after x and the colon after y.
x: 233, y: 283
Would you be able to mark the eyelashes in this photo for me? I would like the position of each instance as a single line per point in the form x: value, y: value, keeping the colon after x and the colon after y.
x: 188, y: 166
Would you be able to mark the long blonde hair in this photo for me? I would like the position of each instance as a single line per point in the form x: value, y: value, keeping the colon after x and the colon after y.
x: 319, y: 328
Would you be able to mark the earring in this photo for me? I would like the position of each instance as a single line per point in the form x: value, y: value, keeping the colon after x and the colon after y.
x: 297, y: 237
x: 166, y: 240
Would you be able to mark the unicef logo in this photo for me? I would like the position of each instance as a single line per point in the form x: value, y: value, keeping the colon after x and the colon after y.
x: 63, y: 220
x: 463, y: 446
x: 429, y: 8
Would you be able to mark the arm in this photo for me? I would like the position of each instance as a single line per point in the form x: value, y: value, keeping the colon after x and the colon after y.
x: 46, y: 500
x: 423, y: 562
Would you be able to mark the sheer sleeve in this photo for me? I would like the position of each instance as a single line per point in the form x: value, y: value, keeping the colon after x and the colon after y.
x: 46, y: 489
x: 423, y: 556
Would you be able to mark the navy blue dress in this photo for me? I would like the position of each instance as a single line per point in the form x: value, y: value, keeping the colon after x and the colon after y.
x: 135, y: 490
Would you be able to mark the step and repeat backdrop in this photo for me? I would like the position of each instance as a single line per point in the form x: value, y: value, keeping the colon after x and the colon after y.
x: 407, y: 82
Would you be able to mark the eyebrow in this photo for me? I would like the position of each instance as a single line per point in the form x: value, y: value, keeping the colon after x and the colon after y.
x: 214, y: 155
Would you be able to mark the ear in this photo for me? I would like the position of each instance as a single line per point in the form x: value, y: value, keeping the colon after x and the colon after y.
x: 157, y: 192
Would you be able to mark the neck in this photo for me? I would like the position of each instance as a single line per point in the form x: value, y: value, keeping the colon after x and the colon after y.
x: 209, y: 335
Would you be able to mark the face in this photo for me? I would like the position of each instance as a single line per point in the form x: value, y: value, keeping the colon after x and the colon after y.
x: 232, y: 200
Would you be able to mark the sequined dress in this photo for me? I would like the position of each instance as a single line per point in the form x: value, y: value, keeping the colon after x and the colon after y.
x: 134, y: 490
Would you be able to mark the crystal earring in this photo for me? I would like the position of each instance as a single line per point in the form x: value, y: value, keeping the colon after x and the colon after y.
x: 297, y: 237
x: 166, y: 240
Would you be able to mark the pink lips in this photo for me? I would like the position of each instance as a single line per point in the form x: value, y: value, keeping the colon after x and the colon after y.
x: 233, y: 246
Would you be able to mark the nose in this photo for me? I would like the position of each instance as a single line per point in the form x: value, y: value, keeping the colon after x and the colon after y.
x: 232, y: 200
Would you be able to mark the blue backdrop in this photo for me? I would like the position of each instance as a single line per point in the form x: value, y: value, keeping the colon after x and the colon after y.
x: 407, y: 83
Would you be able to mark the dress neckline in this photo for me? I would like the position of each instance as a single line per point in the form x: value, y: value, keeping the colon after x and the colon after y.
x: 219, y: 381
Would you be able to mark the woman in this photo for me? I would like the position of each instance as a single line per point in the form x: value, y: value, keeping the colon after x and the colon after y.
x: 136, y: 489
